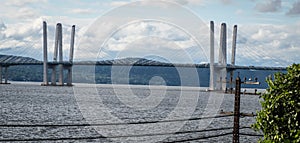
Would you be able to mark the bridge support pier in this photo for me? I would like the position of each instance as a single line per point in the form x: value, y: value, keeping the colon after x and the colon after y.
x: 5, y: 74
x: 61, y: 75
x: 69, y: 80
x: 0, y: 74
x: 53, y: 74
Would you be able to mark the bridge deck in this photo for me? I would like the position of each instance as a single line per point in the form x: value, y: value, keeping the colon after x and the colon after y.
x: 8, y: 60
x: 229, y: 67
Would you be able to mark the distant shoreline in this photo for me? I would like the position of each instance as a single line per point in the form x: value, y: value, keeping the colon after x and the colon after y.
x: 190, y: 88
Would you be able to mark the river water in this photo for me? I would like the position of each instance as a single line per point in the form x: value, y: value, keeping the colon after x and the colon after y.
x: 162, y: 107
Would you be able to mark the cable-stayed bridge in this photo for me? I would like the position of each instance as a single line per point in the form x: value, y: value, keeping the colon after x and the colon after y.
x: 10, y: 60
x: 7, y: 61
x: 218, y: 71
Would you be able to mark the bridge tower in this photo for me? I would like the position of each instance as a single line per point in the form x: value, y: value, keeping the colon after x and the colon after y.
x: 58, y: 51
x: 218, y: 71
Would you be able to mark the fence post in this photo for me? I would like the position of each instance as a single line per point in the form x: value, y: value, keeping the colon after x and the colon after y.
x: 237, y: 111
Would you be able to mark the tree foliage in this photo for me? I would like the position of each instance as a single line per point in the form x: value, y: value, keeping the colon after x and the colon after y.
x: 279, y: 118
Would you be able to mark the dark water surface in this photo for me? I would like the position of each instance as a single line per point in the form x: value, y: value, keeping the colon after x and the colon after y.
x: 30, y: 103
x: 139, y: 75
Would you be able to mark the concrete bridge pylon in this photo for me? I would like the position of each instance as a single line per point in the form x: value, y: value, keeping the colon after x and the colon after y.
x: 58, y: 51
x: 218, y: 71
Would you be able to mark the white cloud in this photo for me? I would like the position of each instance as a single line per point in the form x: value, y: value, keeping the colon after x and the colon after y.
x: 21, y: 3
x: 118, y: 3
x: 82, y: 11
x: 133, y: 28
x: 142, y: 38
x: 261, y: 34
x: 185, y: 2
x: 24, y: 30
x: 239, y: 12
x: 295, y: 10
x: 279, y: 42
x: 269, y: 6
x: 25, y: 13
x: 181, y: 2
x: 226, y: 1
x: 21, y: 10
x: 192, y: 2
x: 26, y: 39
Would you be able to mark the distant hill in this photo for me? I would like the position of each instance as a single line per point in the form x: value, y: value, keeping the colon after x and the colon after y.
x: 131, y: 61
x: 11, y: 60
x: 145, y: 62
x: 19, y: 60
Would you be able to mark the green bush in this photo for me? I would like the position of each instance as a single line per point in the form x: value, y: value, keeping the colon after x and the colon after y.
x: 279, y: 117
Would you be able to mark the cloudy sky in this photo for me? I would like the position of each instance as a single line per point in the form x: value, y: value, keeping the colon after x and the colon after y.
x: 173, y: 30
